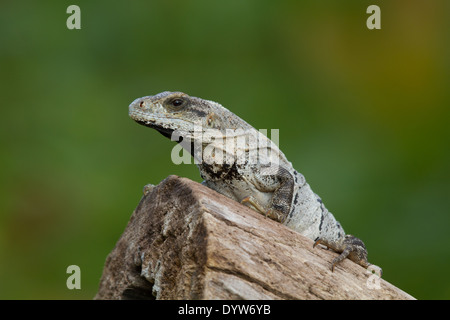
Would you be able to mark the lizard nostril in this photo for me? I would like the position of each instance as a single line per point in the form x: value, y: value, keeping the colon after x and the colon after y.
x: 141, y: 104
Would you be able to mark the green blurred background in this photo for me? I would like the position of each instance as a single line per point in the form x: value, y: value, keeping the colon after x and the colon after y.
x: 363, y: 114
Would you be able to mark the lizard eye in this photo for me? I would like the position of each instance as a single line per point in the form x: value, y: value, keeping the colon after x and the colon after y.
x: 177, y: 103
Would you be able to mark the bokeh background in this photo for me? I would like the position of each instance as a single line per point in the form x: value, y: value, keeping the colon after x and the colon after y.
x: 363, y: 114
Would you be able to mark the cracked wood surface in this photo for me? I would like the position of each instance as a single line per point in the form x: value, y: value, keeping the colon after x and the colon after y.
x: 186, y: 241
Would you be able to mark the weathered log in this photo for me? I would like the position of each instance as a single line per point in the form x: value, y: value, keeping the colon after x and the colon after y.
x: 186, y: 241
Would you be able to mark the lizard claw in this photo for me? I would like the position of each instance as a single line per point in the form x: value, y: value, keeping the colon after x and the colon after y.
x: 251, y: 201
x: 318, y: 241
x: 276, y: 215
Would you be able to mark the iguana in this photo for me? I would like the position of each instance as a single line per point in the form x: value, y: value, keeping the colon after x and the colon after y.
x: 241, y: 163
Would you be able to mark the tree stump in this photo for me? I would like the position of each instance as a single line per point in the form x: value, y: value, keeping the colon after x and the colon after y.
x: 186, y: 241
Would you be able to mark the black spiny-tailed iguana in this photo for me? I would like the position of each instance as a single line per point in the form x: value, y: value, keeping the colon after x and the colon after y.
x: 241, y: 163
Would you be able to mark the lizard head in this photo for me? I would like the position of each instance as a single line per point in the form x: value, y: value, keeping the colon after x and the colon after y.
x: 163, y: 112
x: 197, y: 124
x: 167, y: 112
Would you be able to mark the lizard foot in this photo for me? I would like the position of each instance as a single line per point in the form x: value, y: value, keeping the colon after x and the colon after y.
x: 271, y: 213
x: 349, y: 247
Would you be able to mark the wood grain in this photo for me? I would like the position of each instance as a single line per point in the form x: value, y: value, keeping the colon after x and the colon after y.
x: 186, y: 241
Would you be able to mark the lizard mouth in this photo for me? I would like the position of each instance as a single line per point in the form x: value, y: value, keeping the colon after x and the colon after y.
x: 164, y: 131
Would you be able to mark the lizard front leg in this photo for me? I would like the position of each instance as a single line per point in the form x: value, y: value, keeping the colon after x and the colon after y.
x: 271, y: 213
x: 282, y: 186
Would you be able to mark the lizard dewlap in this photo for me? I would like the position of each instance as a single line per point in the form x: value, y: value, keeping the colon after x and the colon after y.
x: 241, y: 163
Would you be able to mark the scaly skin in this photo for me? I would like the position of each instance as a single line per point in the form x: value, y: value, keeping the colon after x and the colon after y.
x: 264, y: 181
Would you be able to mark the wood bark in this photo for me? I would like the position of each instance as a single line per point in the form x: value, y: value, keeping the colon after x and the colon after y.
x: 186, y: 241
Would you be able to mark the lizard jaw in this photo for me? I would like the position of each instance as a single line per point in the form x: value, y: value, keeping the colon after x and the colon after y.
x: 164, y: 131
